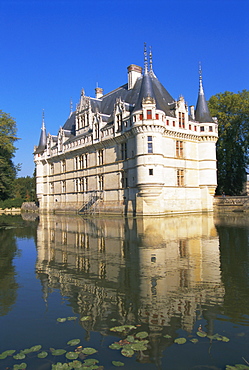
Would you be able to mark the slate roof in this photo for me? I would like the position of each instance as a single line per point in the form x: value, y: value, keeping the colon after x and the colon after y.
x: 202, y: 113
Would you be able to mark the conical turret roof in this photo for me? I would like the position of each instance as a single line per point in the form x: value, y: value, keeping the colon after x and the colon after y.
x: 202, y: 113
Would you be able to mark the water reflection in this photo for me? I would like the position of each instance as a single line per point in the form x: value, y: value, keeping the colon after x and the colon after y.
x: 158, y: 273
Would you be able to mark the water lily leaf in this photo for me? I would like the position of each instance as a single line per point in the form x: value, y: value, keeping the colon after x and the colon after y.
x: 58, y: 352
x: 35, y: 348
x: 115, y: 346
x: 117, y: 363
x: 20, y: 366
x: 73, y: 342
x: 201, y: 334
x: 76, y: 364
x: 4, y: 354
x: 89, y: 350
x: 26, y: 350
x: 130, y: 338
x: 42, y: 354
x: 225, y: 339
x: 138, y: 346
x: 123, y: 328
x: 85, y: 318
x: 167, y: 336
x: 19, y: 356
x: 71, y: 318
x: 194, y: 340
x: 127, y: 352
x: 60, y: 366
x: 72, y: 355
x: 91, y: 361
x: 180, y: 340
x: 142, y: 334
x: 61, y: 319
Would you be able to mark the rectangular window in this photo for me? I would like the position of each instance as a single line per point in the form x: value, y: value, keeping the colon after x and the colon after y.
x: 52, y: 169
x: 174, y: 123
x: 151, y: 171
x: 141, y: 116
x: 202, y: 128
x: 189, y: 126
x: 179, y: 149
x: 150, y: 144
x: 124, y: 151
x: 210, y: 128
x: 149, y: 114
x: 167, y: 122
x: 195, y: 128
x: 76, y: 163
x: 101, y: 182
x: 86, y: 184
x: 86, y: 160
x: 183, y: 120
x: 63, y: 186
x: 180, y: 177
x: 63, y: 165
x: 100, y: 157
x: 157, y: 116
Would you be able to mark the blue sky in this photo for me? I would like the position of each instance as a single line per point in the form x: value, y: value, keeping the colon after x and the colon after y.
x: 51, y: 49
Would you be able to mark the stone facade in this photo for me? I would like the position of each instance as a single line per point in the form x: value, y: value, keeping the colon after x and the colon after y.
x: 132, y: 151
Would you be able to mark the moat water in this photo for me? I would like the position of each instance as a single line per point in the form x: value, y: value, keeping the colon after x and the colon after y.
x: 173, y: 292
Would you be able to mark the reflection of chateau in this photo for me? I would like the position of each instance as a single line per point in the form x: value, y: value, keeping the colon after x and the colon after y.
x: 157, y: 272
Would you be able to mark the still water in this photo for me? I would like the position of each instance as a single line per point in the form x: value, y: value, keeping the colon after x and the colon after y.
x: 102, y: 281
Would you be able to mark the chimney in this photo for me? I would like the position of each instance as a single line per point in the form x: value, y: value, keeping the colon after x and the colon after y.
x: 134, y: 72
x: 192, y: 112
x: 98, y: 92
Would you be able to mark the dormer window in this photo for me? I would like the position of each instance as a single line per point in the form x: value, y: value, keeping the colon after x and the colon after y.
x: 149, y: 114
x: 182, y: 119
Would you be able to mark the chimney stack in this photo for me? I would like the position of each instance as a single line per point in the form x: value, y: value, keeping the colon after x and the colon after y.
x: 98, y: 92
x: 134, y: 72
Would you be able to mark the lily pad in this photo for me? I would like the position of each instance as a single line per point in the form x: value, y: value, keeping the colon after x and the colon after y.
x: 201, y: 334
x: 85, y: 318
x: 72, y: 355
x: 167, y: 336
x: 127, y: 352
x: 115, y: 346
x: 26, y: 350
x: 60, y: 366
x: 117, y: 363
x: 4, y: 354
x: 71, y: 318
x: 180, y: 340
x: 89, y: 350
x: 123, y: 328
x: 19, y: 356
x: 42, y: 354
x: 35, y: 348
x: 58, y: 352
x: 142, y: 334
x: 225, y: 339
x: 138, y: 346
x: 20, y: 366
x: 61, y: 319
x: 194, y: 340
x: 73, y: 342
x: 130, y: 338
x: 91, y: 361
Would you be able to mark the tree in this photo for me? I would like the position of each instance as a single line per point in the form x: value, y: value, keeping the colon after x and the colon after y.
x: 232, y: 112
x: 24, y: 188
x: 7, y: 149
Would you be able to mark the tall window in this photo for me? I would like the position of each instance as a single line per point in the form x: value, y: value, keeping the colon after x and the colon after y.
x: 124, y: 151
x: 51, y: 168
x: 101, y: 182
x: 179, y: 149
x: 180, y: 177
x: 100, y: 157
x: 124, y: 179
x: 86, y: 160
x: 150, y: 144
x: 96, y: 130
x: 63, y: 186
x: 63, y: 165
x: 181, y: 119
x: 119, y: 121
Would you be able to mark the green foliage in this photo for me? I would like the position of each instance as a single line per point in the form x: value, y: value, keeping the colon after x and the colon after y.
x: 7, y: 149
x: 24, y: 188
x: 232, y: 112
x: 11, y: 203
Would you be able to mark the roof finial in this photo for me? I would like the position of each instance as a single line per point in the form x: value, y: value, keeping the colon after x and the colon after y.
x: 145, y: 59
x: 43, y: 120
x: 71, y: 106
x: 151, y: 58
x: 201, y: 91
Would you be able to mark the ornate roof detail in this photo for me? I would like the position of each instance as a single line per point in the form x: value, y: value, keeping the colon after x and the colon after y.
x: 202, y: 113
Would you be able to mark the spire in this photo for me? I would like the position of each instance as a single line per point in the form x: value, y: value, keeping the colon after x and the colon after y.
x: 202, y: 113
x: 145, y: 60
x: 151, y: 69
x: 71, y: 106
x: 43, y: 136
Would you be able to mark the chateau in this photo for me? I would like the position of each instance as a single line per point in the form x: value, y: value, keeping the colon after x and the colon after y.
x: 132, y: 151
